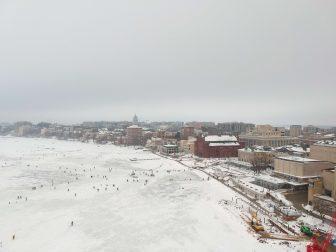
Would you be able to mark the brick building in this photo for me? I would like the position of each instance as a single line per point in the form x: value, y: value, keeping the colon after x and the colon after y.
x: 187, y: 131
x: 217, y: 146
x: 134, y: 135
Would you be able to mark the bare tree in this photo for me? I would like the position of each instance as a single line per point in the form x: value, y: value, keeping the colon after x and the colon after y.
x: 260, y: 162
x: 322, y: 208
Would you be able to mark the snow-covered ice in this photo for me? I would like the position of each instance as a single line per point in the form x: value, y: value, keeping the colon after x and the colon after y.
x: 152, y: 204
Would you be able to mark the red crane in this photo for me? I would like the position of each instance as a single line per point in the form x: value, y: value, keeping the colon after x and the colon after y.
x: 314, y: 246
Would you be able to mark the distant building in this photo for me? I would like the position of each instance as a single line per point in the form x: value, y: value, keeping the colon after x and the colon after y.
x: 188, y: 146
x: 135, y: 120
x: 170, y: 135
x: 282, y: 131
x: 44, y: 132
x: 267, y: 141
x: 217, y: 146
x: 160, y: 133
x: 310, y: 129
x: 312, y: 138
x: 210, y: 130
x: 154, y: 143
x: 266, y: 135
x: 295, y: 130
x: 24, y: 130
x: 298, y: 168
x: 200, y: 125
x: 134, y: 135
x: 169, y: 149
x: 324, y: 150
x: 255, y: 155
x: 187, y: 131
x: 234, y: 127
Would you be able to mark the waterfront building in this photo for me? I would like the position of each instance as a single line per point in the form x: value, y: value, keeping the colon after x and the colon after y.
x: 299, y: 168
x: 188, y: 146
x: 134, y: 135
x: 168, y: 149
x: 217, y: 146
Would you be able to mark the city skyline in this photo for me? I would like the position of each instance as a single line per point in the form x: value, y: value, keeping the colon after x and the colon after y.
x: 144, y: 122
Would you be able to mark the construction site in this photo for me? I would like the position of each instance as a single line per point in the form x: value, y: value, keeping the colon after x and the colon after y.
x: 267, y: 213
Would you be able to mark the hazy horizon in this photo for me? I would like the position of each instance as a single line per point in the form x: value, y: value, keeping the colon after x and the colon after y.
x: 149, y: 121
x: 251, y: 61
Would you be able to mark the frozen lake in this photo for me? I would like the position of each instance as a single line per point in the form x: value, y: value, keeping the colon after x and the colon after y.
x: 115, y: 204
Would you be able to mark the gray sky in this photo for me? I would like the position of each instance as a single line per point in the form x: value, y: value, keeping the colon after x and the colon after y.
x: 248, y: 60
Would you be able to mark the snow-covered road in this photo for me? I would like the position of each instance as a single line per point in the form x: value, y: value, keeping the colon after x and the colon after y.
x: 175, y: 210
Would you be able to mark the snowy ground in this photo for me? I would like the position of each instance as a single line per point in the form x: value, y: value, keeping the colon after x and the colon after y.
x: 175, y: 210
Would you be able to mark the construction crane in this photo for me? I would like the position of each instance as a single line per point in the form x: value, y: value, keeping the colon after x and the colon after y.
x: 255, y: 223
x: 314, y: 246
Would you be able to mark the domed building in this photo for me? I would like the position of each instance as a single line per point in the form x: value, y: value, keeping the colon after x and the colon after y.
x: 135, y: 120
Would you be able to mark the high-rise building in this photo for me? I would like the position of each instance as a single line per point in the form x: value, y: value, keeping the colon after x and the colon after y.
x: 295, y: 130
x: 310, y: 129
x: 234, y: 127
x: 134, y: 135
x: 187, y: 131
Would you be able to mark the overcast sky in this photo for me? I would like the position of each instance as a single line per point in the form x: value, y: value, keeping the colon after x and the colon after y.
x: 239, y: 60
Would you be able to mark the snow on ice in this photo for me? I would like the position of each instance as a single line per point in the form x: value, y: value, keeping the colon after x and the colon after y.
x: 71, y: 196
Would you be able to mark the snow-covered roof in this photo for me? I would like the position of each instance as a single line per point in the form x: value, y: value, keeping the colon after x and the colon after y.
x: 291, y: 148
x: 134, y: 127
x: 325, y: 197
x: 170, y: 145
x: 270, y: 179
x: 224, y: 138
x: 297, y: 149
x: 327, y: 143
x: 257, y: 148
x: 225, y: 144
x: 298, y: 159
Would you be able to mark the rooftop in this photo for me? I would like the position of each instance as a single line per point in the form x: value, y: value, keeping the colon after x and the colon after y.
x: 270, y: 179
x: 291, y: 148
x: 134, y: 127
x: 324, y: 197
x: 330, y: 143
x: 296, y: 177
x: 298, y: 159
x: 170, y: 145
x: 225, y: 144
x: 224, y: 138
x: 247, y: 136
x: 257, y: 148
x: 275, y: 180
